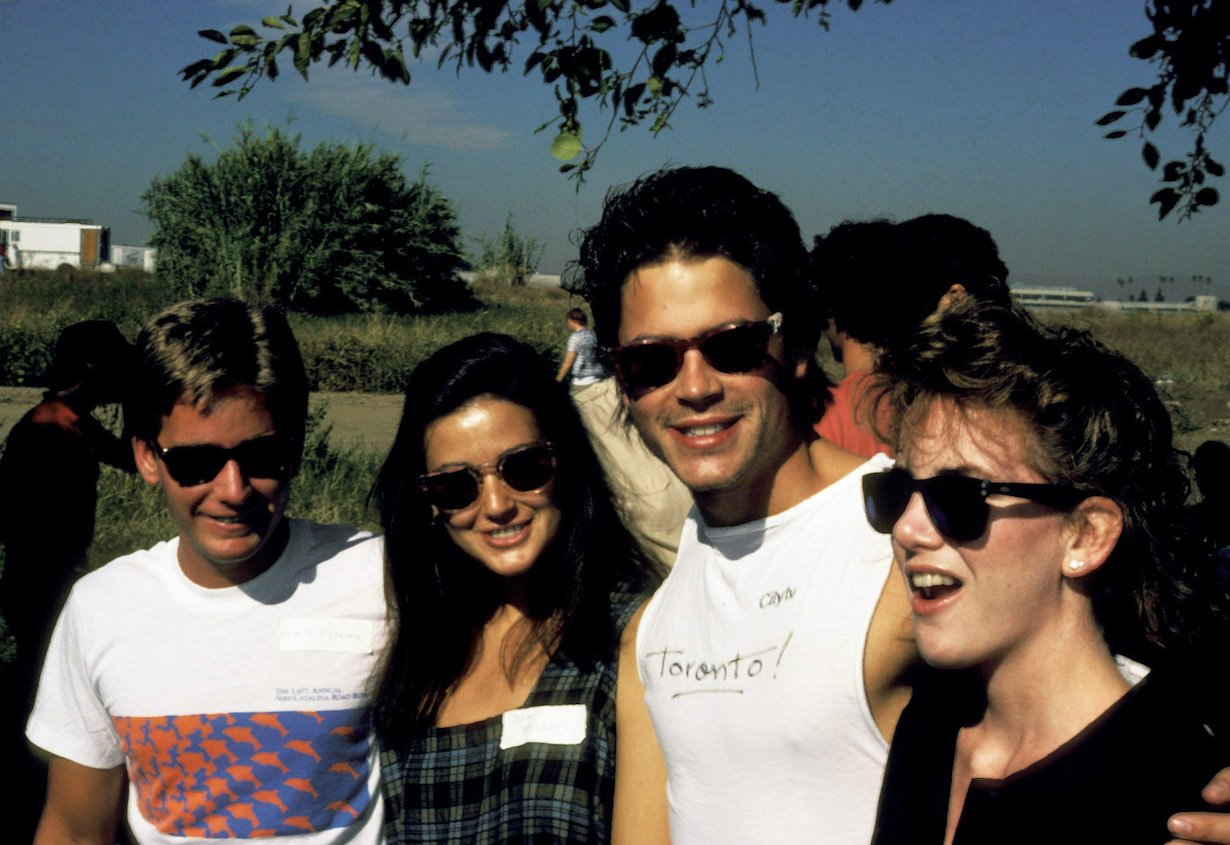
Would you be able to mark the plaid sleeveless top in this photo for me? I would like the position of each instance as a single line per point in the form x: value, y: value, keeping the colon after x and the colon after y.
x: 548, y: 778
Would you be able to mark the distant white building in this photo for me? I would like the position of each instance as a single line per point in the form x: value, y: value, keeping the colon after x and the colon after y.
x: 46, y: 243
x: 1204, y: 302
x: 1069, y: 299
x: 1048, y: 297
x: 136, y: 257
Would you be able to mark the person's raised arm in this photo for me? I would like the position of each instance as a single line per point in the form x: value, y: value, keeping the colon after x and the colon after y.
x: 640, y: 813
x: 83, y: 805
x: 1211, y: 826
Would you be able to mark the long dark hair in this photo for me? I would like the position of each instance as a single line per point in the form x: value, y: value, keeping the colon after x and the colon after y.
x: 1100, y: 427
x: 439, y: 598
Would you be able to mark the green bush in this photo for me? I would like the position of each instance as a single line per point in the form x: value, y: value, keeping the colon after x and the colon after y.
x: 332, y: 230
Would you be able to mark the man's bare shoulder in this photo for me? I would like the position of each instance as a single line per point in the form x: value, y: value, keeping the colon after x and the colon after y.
x: 833, y: 463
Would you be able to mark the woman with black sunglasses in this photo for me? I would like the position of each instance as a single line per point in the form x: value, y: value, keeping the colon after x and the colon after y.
x: 509, y: 693
x: 1035, y: 513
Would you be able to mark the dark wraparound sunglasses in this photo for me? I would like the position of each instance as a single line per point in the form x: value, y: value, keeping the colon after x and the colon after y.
x: 260, y: 457
x: 525, y: 469
x: 730, y: 348
x: 956, y: 504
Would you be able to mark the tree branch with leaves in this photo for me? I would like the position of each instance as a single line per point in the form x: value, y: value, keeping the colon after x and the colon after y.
x: 637, y: 64
x: 1190, y: 45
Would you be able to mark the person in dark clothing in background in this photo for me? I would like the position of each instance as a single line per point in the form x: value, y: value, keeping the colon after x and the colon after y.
x: 48, y: 490
x: 1211, y: 465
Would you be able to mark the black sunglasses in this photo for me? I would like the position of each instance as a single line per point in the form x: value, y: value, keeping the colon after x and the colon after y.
x: 260, y: 457
x: 956, y: 504
x: 730, y: 348
x: 524, y: 469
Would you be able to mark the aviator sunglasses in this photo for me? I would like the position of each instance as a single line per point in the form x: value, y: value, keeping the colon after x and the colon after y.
x: 730, y: 348
x: 260, y: 457
x: 956, y: 504
x: 524, y: 469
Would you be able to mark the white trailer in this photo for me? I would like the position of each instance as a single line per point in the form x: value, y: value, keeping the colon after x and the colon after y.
x: 138, y: 257
x: 46, y: 244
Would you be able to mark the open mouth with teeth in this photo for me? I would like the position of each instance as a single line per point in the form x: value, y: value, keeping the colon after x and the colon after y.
x: 705, y: 430
x: 933, y: 585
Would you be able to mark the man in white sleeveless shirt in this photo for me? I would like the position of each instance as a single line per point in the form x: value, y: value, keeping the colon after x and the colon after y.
x: 775, y: 657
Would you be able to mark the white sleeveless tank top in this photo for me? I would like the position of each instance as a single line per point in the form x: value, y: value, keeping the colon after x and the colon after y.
x: 752, y: 658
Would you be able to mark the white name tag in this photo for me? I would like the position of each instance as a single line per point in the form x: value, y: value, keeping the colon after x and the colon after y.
x: 326, y: 633
x: 557, y: 724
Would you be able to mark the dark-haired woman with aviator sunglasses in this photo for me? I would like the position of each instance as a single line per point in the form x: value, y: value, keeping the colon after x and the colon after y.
x: 1035, y: 514
x: 509, y: 692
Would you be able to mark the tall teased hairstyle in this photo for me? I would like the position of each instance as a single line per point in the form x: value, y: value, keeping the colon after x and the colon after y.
x: 440, y: 598
x: 196, y: 350
x: 698, y: 213
x: 1100, y: 426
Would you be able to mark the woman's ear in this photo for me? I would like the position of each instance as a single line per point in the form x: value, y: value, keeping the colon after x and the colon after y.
x: 1095, y: 527
x: 146, y: 460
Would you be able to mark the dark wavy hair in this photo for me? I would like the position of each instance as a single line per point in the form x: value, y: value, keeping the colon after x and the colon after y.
x: 439, y: 598
x: 1100, y: 426
x: 698, y: 213
x: 879, y: 280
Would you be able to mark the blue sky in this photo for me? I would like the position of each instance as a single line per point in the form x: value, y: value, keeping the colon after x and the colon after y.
x: 980, y: 108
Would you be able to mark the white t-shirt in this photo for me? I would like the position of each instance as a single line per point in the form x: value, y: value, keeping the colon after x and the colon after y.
x: 751, y: 654
x: 240, y: 712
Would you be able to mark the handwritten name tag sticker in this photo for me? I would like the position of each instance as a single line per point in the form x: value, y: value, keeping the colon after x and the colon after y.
x: 326, y: 633
x: 555, y: 724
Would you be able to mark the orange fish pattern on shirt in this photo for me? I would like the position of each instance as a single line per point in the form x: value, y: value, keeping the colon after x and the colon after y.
x: 249, y: 775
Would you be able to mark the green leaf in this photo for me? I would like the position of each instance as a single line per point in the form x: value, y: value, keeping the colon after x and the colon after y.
x: 274, y: 23
x: 303, y: 53
x: 1145, y: 48
x: 654, y: 83
x: 229, y: 75
x: 663, y: 59
x: 242, y: 30
x: 566, y: 146
x: 1149, y: 153
x: 1166, y: 199
x: 212, y: 35
x: 602, y: 23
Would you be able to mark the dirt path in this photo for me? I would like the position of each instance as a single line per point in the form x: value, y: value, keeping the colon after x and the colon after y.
x: 358, y: 419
